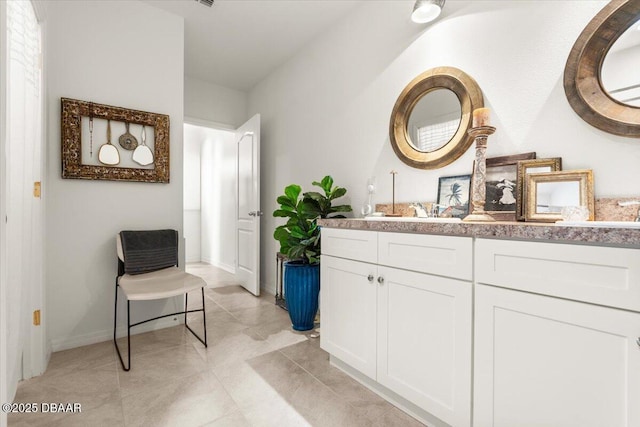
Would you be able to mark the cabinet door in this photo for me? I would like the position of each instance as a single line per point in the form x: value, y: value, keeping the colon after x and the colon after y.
x: 348, y: 312
x: 543, y: 361
x: 424, y: 342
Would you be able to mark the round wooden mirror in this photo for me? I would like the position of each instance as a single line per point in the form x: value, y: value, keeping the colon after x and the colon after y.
x: 430, y: 119
x: 582, y: 76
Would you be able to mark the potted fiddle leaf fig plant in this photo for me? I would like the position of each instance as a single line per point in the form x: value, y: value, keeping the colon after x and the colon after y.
x: 299, y: 241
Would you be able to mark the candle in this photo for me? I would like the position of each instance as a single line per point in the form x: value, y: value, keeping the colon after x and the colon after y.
x: 481, y: 117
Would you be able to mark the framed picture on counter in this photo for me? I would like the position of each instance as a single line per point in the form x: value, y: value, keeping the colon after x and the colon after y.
x: 526, y: 167
x: 453, y: 195
x: 501, y: 185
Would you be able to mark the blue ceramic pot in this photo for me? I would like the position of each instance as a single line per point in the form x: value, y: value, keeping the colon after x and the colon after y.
x: 301, y: 289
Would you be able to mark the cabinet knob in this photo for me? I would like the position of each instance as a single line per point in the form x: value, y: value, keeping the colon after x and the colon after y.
x: 370, y: 278
x: 380, y: 280
x: 638, y: 341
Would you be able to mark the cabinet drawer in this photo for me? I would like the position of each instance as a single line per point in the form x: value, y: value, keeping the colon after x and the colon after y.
x: 359, y: 245
x: 599, y: 275
x: 442, y: 255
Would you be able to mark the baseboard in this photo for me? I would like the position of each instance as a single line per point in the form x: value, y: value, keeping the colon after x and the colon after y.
x: 60, y: 344
x: 264, y: 287
x: 224, y: 266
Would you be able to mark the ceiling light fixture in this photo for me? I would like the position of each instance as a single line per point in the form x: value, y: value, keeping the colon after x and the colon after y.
x: 426, y: 10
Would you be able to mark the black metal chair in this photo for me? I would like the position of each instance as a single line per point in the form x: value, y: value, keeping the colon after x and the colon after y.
x: 148, y: 270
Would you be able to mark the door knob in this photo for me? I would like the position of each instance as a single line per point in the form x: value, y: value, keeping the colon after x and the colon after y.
x: 638, y: 341
x: 255, y: 213
x: 381, y: 280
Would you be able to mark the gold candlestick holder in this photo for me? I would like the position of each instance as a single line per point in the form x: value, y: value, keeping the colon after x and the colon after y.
x: 478, y: 186
x: 393, y: 195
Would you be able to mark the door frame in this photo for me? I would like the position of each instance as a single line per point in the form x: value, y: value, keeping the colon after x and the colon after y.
x: 220, y: 127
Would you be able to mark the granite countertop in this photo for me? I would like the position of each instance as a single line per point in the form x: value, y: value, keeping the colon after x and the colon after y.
x: 608, y: 236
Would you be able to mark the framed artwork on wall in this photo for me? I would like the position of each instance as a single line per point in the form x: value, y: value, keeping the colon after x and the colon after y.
x: 453, y: 195
x: 102, y: 142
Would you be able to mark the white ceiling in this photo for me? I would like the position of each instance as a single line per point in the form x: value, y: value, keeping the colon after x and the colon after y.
x: 236, y: 43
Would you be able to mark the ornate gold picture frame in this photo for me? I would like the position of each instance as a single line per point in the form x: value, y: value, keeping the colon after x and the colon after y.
x: 526, y: 167
x: 548, y: 192
x: 75, y: 111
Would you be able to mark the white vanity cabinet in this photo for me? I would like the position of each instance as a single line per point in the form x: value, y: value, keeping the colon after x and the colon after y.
x: 398, y: 308
x: 555, y: 335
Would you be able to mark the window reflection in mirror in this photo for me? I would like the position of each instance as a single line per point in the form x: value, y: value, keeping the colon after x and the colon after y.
x: 434, y: 120
x: 619, y: 74
x: 553, y: 196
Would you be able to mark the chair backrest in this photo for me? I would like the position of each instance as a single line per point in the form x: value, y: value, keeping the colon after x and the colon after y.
x: 147, y: 250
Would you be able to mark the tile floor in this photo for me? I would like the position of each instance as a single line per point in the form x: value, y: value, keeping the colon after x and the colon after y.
x: 255, y: 372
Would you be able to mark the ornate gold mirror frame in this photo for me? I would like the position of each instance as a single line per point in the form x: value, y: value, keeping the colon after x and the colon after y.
x: 582, y: 83
x: 470, y: 97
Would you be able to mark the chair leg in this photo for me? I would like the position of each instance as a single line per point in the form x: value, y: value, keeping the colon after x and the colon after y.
x: 204, y: 316
x: 115, y: 341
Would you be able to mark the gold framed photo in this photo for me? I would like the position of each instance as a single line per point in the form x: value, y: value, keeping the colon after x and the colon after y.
x: 548, y: 192
x: 526, y: 167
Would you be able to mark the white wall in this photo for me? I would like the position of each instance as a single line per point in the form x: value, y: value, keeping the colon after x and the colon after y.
x: 192, y: 231
x: 219, y: 199
x: 327, y: 110
x: 129, y: 56
x: 214, y: 103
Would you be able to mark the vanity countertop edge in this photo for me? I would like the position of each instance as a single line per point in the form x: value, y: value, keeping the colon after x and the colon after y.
x: 619, y: 237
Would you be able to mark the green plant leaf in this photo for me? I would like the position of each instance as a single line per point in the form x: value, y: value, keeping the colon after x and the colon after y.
x: 341, y: 208
x: 292, y: 192
x: 285, y: 203
x: 327, y: 183
x: 337, y: 193
x: 315, y: 196
x: 283, y: 213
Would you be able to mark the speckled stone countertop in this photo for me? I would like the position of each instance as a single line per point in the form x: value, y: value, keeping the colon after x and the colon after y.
x: 622, y: 237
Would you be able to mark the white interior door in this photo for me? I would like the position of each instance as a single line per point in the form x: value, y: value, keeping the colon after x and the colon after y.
x: 23, y: 349
x: 248, y: 205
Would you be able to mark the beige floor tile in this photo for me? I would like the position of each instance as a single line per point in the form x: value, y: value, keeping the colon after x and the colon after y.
x: 233, y: 347
x: 310, y: 356
x: 256, y: 372
x: 87, y: 357
x: 215, y: 277
x: 394, y: 417
x: 221, y: 323
x: 276, y: 412
x: 108, y: 414
x: 160, y: 340
x: 233, y: 298
x: 190, y: 401
x: 259, y: 315
x: 244, y: 384
x: 152, y: 370
x: 279, y: 333
x: 89, y: 387
x: 235, y: 419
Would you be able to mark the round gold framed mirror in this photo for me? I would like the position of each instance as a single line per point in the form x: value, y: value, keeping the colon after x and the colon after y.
x: 583, y: 73
x: 430, y: 119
